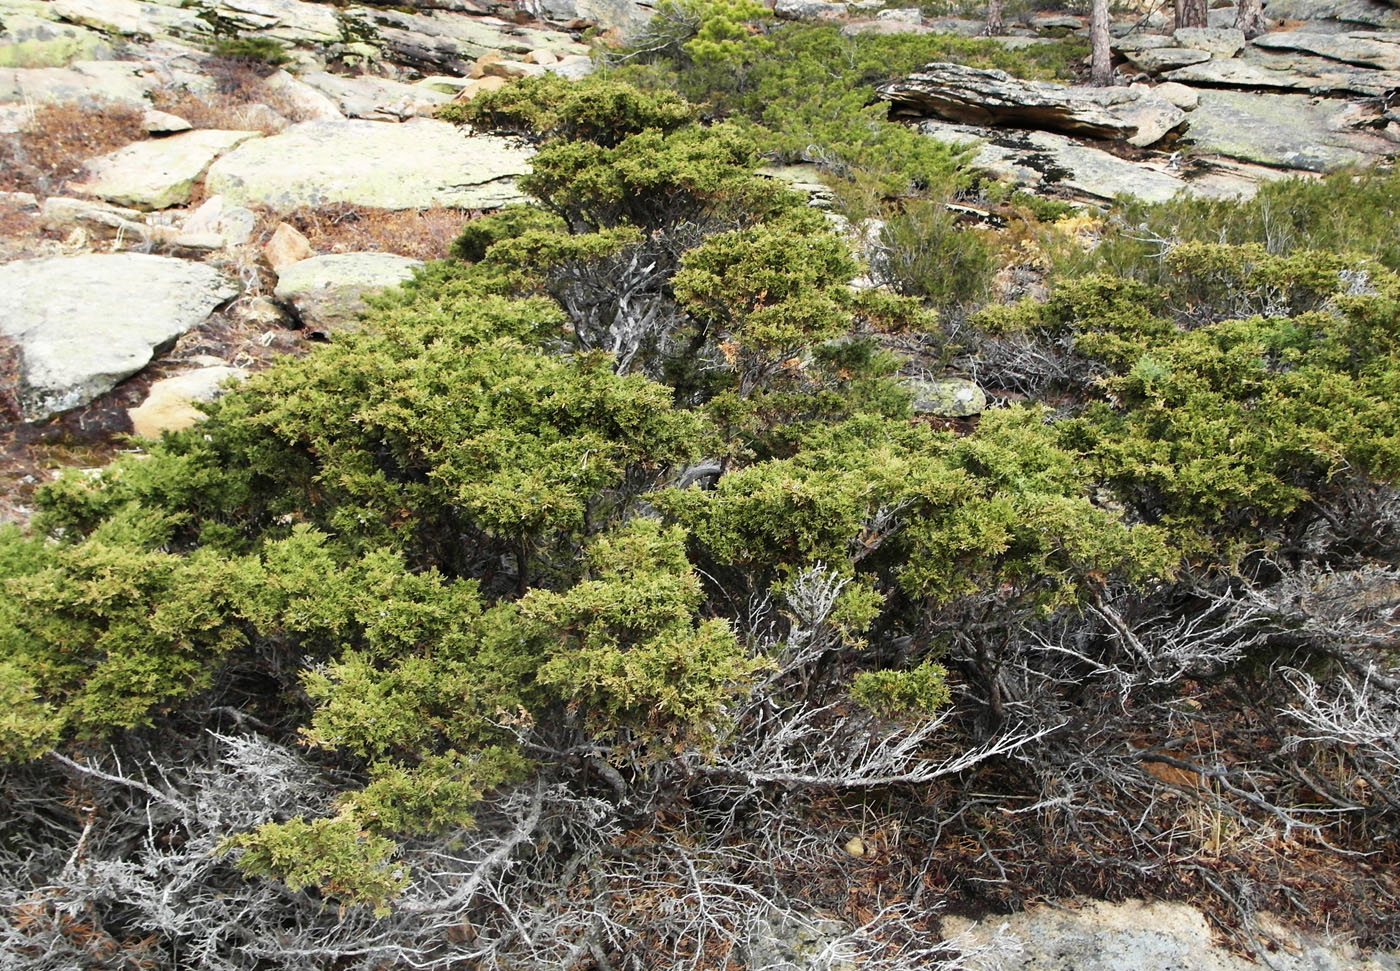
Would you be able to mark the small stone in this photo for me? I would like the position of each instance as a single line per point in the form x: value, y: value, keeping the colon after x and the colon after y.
x: 855, y: 846
x: 170, y: 404
x: 947, y: 397
x: 1183, y: 96
x: 573, y: 66
x: 200, y: 242
x: 260, y: 312
x: 164, y: 123
x: 159, y: 173
x: 541, y: 57
x: 1219, y: 41
x: 327, y: 293
x: 286, y: 247
x: 1160, y: 59
x: 99, y: 218
x: 484, y: 61
x: 510, y: 69
x: 443, y: 84
x: 473, y: 88
x: 809, y: 10
x: 84, y: 323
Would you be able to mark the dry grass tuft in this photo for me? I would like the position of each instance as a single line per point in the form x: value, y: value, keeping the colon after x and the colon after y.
x: 59, y: 138
x: 423, y: 234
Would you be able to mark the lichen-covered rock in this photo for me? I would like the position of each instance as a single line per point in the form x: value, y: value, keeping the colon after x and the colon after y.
x: 158, y: 173
x: 84, y: 323
x: 327, y: 293
x: 1283, y: 130
x: 1217, y: 41
x: 1364, y: 49
x: 809, y: 10
x: 947, y: 397
x: 416, y: 165
x: 28, y: 41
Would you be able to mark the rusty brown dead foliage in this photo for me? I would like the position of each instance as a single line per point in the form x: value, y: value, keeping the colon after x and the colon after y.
x: 51, y: 149
x: 423, y: 234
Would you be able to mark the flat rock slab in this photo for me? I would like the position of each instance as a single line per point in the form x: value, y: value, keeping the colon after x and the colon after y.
x: 416, y: 165
x: 1263, y: 70
x: 1290, y: 131
x: 84, y: 323
x: 1046, y: 161
x: 122, y: 81
x: 158, y: 173
x: 328, y: 292
x: 1158, y: 936
x: 1155, y: 60
x: 1365, y: 49
x: 1371, y: 13
x: 973, y: 96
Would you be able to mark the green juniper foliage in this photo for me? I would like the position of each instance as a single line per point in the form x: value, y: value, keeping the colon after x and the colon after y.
x: 469, y: 546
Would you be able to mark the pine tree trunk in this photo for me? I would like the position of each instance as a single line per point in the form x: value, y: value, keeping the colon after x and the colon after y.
x: 1191, y: 13
x: 1100, y: 60
x: 995, y: 25
x: 1249, y: 17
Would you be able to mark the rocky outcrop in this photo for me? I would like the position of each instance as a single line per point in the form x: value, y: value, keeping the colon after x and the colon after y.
x: 374, y: 99
x: 84, y: 323
x: 981, y: 97
x: 326, y: 293
x: 616, y: 15
x: 1057, y: 165
x: 416, y: 165
x: 158, y: 173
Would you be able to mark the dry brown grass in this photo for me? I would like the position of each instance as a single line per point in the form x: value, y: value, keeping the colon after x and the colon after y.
x: 59, y: 139
x: 238, y: 101
x: 9, y: 381
x: 423, y: 234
